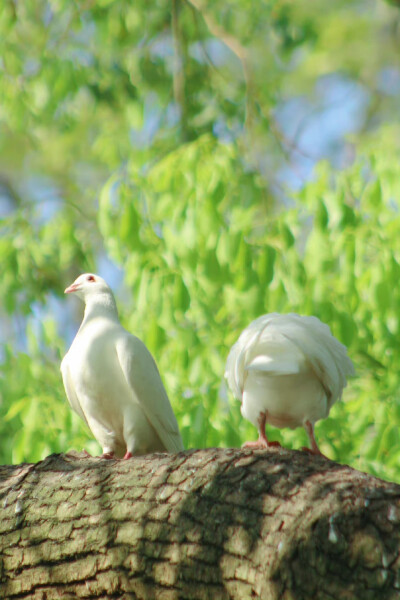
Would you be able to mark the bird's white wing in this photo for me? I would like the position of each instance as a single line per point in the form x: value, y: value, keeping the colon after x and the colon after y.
x: 70, y: 390
x: 143, y: 377
x: 272, y: 365
x: 326, y: 355
x: 238, y: 357
x: 279, y: 344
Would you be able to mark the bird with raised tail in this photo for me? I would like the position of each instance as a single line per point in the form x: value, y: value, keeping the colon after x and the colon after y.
x: 288, y: 371
x: 112, y: 381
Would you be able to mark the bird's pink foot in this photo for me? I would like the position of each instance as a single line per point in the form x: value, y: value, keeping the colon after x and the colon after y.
x: 261, y: 444
x: 258, y: 445
x: 127, y: 455
x: 309, y: 427
x: 86, y: 453
x: 275, y: 443
x: 107, y: 455
x: 316, y: 452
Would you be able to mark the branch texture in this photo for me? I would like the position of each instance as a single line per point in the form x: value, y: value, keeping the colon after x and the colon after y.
x: 206, y: 524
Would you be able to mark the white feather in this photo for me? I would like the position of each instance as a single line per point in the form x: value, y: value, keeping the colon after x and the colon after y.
x: 290, y: 366
x: 112, y: 381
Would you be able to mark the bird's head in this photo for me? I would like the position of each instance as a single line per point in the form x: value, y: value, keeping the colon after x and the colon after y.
x: 87, y: 286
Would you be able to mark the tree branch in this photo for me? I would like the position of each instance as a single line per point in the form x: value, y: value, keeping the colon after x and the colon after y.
x: 201, y: 524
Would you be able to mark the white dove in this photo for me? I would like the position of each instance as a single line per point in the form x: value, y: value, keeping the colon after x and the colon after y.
x: 112, y: 381
x: 288, y: 371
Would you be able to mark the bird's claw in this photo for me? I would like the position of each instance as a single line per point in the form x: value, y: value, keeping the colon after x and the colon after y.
x: 107, y: 455
x: 260, y: 444
x: 311, y: 451
x: 275, y: 443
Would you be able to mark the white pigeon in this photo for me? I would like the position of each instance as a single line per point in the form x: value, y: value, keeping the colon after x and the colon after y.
x: 112, y: 381
x: 288, y: 371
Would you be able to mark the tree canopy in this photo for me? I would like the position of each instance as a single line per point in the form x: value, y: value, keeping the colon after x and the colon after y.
x: 214, y: 161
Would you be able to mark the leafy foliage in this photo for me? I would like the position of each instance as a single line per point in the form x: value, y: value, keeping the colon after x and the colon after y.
x: 195, y: 151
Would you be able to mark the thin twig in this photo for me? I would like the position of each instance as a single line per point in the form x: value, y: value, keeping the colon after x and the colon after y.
x: 179, y: 69
x: 236, y: 47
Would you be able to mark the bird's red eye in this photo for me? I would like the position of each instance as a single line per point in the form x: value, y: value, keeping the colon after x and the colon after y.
x: 90, y: 278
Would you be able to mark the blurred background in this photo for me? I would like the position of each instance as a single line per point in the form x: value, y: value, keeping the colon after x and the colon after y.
x: 214, y: 161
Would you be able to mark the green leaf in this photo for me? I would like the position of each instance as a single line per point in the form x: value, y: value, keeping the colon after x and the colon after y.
x: 321, y: 217
x: 265, y: 265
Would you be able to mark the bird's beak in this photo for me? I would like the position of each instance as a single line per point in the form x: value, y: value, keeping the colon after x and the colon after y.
x: 72, y: 288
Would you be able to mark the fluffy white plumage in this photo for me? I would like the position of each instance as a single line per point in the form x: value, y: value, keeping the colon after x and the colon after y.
x: 288, y: 370
x: 112, y: 381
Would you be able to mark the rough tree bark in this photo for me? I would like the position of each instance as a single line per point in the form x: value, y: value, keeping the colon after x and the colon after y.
x: 214, y: 524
